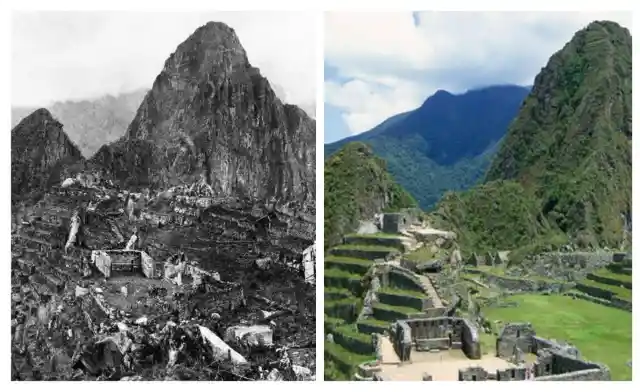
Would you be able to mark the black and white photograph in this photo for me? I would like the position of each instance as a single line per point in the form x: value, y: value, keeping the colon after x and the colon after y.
x: 163, y: 196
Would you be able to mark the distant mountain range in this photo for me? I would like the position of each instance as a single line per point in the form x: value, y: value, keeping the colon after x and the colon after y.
x: 445, y: 144
x: 90, y: 124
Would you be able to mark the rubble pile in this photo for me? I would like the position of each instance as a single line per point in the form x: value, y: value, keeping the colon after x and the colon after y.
x: 210, y: 314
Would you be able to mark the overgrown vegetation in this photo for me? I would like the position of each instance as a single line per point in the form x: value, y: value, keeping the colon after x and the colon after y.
x: 446, y: 144
x: 357, y: 185
x: 494, y: 216
x: 570, y: 145
x: 564, y: 169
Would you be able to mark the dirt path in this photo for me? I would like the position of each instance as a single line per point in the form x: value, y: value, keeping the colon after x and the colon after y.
x: 389, y: 355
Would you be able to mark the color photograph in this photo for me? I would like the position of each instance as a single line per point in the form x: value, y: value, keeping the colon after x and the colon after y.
x: 477, y: 196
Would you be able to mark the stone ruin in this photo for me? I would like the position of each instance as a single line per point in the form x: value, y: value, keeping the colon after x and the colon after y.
x: 394, y: 223
x: 42, y: 271
x: 556, y: 361
x: 434, y: 334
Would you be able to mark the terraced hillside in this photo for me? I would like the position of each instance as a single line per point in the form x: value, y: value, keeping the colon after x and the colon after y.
x: 349, y: 271
x: 611, y: 285
x: 224, y: 236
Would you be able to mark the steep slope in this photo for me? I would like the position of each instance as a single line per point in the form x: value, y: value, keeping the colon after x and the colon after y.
x: 91, y: 124
x: 40, y: 150
x: 445, y: 144
x: 211, y: 114
x: 495, y: 216
x: 570, y: 145
x: 357, y: 185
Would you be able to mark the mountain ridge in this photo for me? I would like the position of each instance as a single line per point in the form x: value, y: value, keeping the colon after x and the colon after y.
x: 569, y: 148
x: 468, y: 125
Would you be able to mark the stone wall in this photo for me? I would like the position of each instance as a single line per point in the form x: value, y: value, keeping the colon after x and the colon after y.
x: 610, y: 281
x: 388, y: 314
x: 352, y: 344
x: 554, y: 366
x: 432, y: 344
x: 335, y: 295
x: 542, y: 344
x: 431, y: 328
x: 405, y: 300
x: 519, y: 285
x: 475, y: 373
x: 342, y: 310
x: 401, y: 339
x: 149, y: 268
x: 367, y: 328
x: 514, y: 335
x: 615, y: 302
x: 596, y: 291
x: 393, y: 223
x: 444, y: 333
x: 513, y: 374
x: 582, y: 375
x: 403, y: 280
x: 470, y: 340
x: 342, y: 365
x: 354, y: 285
x: 397, y: 243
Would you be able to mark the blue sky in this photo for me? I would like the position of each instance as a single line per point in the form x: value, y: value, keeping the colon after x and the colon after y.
x: 380, y: 64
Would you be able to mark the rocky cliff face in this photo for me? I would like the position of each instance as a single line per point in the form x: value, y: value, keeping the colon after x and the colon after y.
x: 40, y: 150
x: 211, y: 115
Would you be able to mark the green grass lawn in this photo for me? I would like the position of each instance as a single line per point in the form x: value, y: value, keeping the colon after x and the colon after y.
x: 337, y: 290
x: 375, y: 321
x: 344, y: 356
x: 347, y: 260
x: 400, y: 309
x: 602, y: 334
x: 338, y: 273
x: 422, y: 254
x: 380, y: 248
x: 408, y: 293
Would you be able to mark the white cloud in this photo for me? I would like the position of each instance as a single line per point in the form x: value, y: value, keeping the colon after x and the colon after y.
x: 367, y: 102
x: 446, y: 50
x: 75, y: 55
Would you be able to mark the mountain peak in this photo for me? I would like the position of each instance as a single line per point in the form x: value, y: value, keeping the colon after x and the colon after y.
x: 39, y: 150
x: 569, y: 144
x: 360, y: 186
x: 211, y: 114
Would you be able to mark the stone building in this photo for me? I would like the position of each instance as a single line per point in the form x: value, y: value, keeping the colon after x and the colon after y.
x: 394, y: 223
x: 125, y: 262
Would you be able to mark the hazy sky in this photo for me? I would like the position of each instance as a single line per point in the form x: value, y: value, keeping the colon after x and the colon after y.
x: 75, y: 55
x: 380, y: 64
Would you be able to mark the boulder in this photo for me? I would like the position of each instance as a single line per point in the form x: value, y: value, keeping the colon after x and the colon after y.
x: 221, y: 350
x: 254, y: 335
